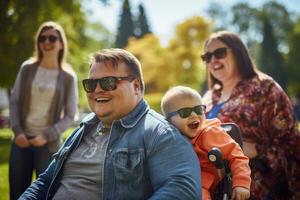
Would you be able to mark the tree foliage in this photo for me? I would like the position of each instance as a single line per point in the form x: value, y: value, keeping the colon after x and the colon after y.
x: 142, y: 26
x: 19, y: 22
x: 153, y: 58
x: 271, y: 61
x: 293, y: 60
x: 126, y: 26
x: 179, y: 62
x: 186, y: 48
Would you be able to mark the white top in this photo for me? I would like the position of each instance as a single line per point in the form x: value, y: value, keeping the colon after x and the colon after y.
x: 42, y: 92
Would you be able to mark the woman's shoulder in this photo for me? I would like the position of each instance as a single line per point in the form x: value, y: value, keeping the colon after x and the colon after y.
x: 29, y: 65
x: 267, y: 82
x: 261, y: 80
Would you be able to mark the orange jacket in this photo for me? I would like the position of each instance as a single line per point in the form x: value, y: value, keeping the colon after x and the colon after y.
x: 213, y: 135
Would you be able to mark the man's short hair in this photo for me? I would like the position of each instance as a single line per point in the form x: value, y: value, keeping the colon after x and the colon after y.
x: 115, y: 56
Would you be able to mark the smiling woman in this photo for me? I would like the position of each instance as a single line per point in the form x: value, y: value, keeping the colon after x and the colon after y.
x: 242, y: 94
x: 43, y: 105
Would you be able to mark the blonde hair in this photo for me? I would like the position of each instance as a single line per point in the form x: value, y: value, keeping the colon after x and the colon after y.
x: 177, y: 92
x: 38, y: 54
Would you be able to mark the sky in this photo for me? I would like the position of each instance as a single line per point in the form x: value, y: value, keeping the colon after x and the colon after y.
x: 164, y: 15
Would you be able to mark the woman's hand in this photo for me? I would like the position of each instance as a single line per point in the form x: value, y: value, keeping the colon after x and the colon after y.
x: 249, y: 149
x: 38, y: 140
x: 22, y: 141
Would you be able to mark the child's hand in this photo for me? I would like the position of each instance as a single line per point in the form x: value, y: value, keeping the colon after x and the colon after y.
x: 240, y: 193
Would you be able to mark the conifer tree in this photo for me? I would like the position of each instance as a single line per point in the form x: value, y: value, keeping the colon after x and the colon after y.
x: 271, y: 61
x: 126, y: 27
x: 142, y: 26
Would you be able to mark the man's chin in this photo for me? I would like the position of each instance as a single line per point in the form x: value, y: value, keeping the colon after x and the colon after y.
x: 102, y: 115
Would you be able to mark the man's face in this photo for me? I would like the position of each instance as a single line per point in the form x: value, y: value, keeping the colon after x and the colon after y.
x: 115, y: 104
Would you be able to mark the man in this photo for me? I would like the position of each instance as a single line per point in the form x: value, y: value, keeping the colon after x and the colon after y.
x: 123, y: 150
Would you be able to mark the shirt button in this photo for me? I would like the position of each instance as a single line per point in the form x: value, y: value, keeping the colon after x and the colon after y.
x: 110, y: 150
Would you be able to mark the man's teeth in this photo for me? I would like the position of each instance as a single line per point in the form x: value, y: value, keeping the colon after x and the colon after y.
x: 102, y: 99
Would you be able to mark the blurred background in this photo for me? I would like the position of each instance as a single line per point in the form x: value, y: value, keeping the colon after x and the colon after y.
x: 167, y: 36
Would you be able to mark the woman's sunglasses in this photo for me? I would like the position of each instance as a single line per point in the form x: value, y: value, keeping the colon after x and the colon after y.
x: 51, y: 38
x: 107, y: 83
x: 185, y: 112
x: 218, y: 53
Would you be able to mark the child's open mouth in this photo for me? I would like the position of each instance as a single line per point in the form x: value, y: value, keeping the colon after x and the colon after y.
x: 193, y: 125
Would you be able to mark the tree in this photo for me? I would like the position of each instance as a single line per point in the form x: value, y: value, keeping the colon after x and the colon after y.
x: 218, y: 14
x: 20, y: 21
x: 126, y: 26
x: 293, y: 60
x: 272, y: 16
x: 185, y: 49
x: 249, y: 21
x: 142, y: 27
x: 179, y: 63
x: 271, y: 60
x: 154, y: 60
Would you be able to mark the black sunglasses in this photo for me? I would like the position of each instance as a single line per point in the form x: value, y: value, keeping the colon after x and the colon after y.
x: 185, y: 112
x: 107, y: 83
x: 218, y: 53
x: 51, y: 38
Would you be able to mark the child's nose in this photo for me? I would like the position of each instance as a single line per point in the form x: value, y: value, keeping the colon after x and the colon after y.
x: 194, y: 114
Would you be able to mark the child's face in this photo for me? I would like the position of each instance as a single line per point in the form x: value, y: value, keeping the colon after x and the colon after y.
x: 190, y: 125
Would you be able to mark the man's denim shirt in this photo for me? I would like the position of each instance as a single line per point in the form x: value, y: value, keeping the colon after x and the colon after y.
x: 146, y: 158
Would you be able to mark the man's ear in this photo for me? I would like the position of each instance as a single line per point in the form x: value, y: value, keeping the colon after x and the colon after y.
x: 137, y: 86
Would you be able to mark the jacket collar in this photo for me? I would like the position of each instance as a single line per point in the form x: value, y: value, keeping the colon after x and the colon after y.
x: 135, y: 115
x: 128, y: 121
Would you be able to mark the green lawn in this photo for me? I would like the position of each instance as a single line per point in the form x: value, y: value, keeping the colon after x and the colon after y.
x: 5, y: 140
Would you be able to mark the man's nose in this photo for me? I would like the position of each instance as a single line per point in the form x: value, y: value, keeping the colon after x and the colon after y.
x: 98, y: 88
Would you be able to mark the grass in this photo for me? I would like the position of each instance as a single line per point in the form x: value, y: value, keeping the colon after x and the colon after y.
x: 5, y: 141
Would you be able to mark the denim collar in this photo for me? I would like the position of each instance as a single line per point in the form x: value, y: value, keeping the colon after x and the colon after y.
x: 128, y: 121
x: 135, y: 115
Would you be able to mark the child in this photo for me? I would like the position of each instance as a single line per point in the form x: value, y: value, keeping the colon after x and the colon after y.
x: 182, y: 106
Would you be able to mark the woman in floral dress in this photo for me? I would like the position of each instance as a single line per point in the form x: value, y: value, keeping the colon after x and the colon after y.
x: 240, y: 93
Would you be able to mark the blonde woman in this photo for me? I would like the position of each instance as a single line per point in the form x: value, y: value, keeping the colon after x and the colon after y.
x: 43, y: 105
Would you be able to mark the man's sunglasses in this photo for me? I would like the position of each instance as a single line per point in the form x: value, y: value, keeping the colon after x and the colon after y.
x: 185, y: 112
x: 218, y: 53
x: 51, y: 38
x: 107, y: 83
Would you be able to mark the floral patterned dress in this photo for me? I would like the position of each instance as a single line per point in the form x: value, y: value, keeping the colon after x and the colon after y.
x: 265, y: 115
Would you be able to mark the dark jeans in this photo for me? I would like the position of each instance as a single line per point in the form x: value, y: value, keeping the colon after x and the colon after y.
x: 22, y: 163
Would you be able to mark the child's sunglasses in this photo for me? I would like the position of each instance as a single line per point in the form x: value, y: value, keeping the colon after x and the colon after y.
x: 185, y: 112
x: 218, y: 53
x: 51, y: 38
x: 107, y: 83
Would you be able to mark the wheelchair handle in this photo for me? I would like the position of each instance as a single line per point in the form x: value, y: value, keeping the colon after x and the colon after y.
x: 216, y: 157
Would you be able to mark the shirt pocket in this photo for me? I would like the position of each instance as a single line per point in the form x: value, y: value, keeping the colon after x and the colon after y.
x: 128, y: 164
